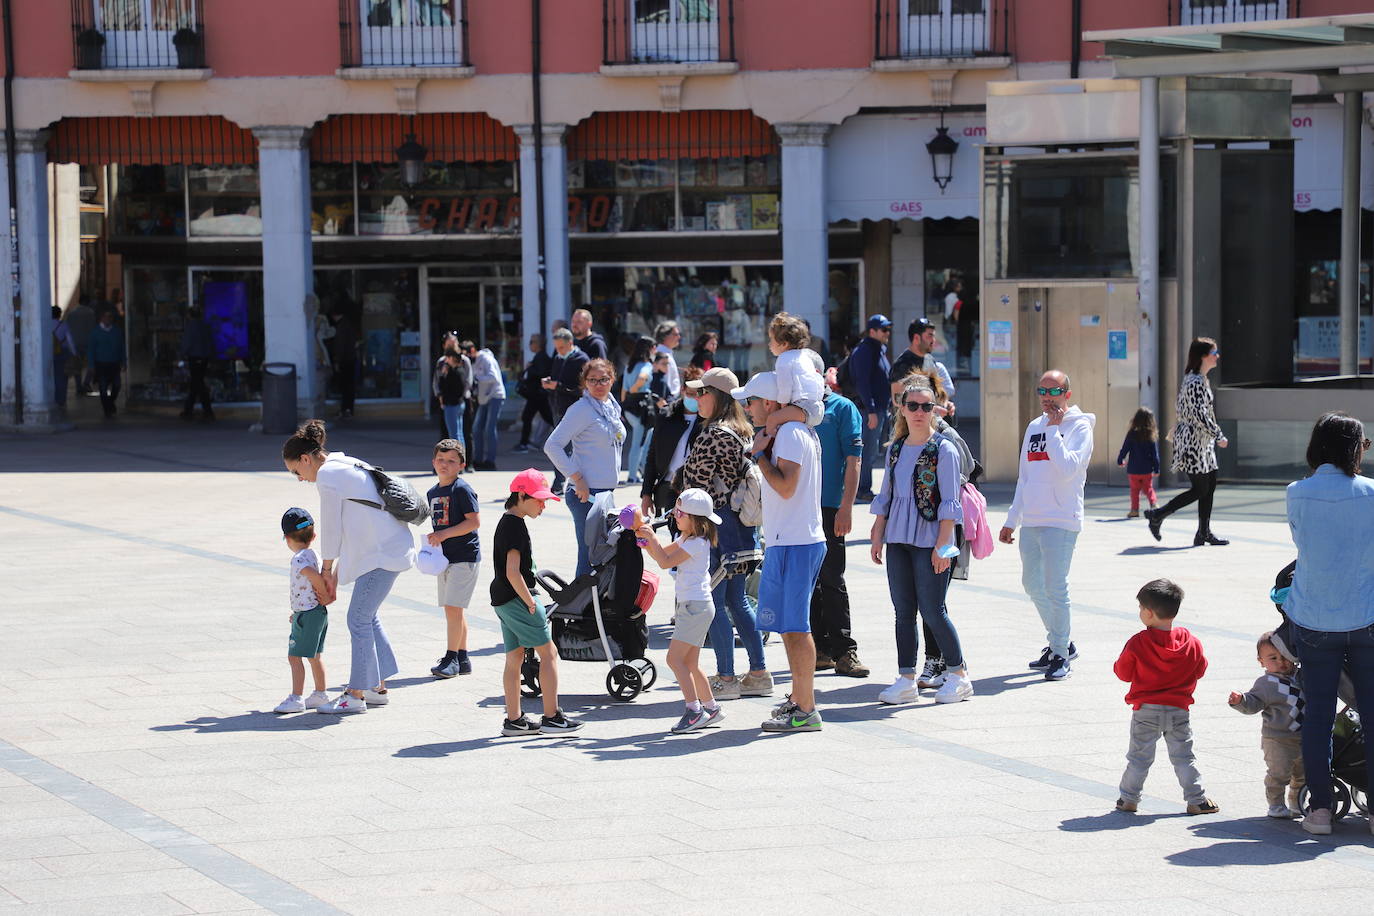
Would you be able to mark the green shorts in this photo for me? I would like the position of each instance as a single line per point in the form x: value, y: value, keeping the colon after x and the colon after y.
x: 307, y: 632
x: 522, y: 630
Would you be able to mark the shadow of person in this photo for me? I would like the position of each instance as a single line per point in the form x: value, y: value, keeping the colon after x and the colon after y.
x: 1113, y: 820
x: 256, y: 721
x: 1149, y: 551
x: 1265, y: 841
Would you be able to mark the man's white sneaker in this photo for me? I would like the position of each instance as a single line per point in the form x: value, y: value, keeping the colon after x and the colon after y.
x: 316, y: 699
x: 374, y: 698
x: 903, y: 690
x: 957, y: 688
x: 343, y: 703
x: 290, y: 704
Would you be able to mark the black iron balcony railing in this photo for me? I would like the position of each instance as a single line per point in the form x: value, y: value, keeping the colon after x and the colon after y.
x: 667, y: 31
x: 403, y: 33
x: 1216, y: 12
x: 913, y: 29
x: 129, y: 34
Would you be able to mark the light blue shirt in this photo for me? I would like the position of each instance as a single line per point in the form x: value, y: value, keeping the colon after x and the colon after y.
x: 596, y: 434
x: 1331, y: 517
x: 897, y: 500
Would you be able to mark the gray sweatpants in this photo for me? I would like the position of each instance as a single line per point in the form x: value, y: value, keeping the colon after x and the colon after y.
x: 1148, y: 724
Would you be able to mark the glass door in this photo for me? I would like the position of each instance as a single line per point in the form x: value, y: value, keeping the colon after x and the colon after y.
x: 944, y: 28
x: 409, y: 33
x: 138, y: 33
x: 675, y: 30
x: 502, y: 321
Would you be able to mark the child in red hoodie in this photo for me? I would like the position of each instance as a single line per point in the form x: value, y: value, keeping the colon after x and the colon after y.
x: 1162, y: 664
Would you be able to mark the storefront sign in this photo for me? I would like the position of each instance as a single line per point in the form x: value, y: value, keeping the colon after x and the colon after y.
x: 1317, y: 131
x: 1116, y: 345
x: 878, y: 168
x: 999, y: 344
x: 1319, y: 338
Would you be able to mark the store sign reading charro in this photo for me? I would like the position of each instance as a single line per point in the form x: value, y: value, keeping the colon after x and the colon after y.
x: 479, y: 214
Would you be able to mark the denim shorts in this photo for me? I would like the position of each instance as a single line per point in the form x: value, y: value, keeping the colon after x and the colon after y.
x: 786, y: 581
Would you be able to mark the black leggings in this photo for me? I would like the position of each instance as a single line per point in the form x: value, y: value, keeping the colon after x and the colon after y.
x: 1200, y: 491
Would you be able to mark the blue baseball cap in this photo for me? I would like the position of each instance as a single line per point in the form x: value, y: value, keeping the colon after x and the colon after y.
x: 879, y: 323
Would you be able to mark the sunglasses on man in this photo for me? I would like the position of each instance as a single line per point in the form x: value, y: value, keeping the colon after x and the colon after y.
x: 1052, y: 392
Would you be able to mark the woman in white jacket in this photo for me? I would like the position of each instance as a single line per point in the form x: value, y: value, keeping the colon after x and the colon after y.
x: 359, y: 544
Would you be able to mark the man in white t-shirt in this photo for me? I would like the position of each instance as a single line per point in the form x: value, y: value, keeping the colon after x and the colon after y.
x: 794, y: 546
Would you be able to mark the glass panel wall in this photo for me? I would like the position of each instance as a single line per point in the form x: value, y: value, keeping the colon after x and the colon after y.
x: 224, y: 200
x: 150, y: 200
x: 231, y: 301
x: 455, y: 198
x: 382, y: 304
x: 155, y: 306
x: 726, y: 194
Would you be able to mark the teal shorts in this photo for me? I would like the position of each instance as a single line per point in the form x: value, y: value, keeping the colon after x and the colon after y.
x: 307, y: 632
x: 522, y: 630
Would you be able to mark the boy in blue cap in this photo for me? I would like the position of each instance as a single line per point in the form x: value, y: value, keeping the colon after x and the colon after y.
x: 309, y: 619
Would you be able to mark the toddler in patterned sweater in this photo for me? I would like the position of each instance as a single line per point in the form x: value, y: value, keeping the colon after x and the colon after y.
x: 1278, y: 695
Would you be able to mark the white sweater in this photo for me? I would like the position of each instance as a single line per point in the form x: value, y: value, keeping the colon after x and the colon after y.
x: 1054, y: 467
x: 359, y: 537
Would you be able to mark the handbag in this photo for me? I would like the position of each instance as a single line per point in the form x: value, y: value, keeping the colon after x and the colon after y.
x: 746, y: 496
x: 397, y: 497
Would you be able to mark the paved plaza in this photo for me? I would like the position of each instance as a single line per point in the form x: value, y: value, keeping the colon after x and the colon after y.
x: 141, y: 770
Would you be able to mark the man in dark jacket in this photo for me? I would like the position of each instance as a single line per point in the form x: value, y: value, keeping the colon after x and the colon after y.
x: 587, y: 340
x: 529, y: 388
x: 197, y: 346
x: 869, y: 366
x: 564, y: 384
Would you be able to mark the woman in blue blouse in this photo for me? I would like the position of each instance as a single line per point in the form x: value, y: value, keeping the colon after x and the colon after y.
x: 916, y: 511
x: 1331, y: 603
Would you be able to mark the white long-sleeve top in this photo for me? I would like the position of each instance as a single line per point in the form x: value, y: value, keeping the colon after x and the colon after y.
x: 360, y: 538
x: 1054, y: 467
x: 486, y: 375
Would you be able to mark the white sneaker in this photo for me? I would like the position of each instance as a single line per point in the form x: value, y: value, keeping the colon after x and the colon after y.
x: 290, y: 704
x: 1280, y: 812
x: 343, y: 703
x: 956, y: 689
x: 723, y: 689
x: 316, y: 699
x: 903, y: 690
x: 374, y: 698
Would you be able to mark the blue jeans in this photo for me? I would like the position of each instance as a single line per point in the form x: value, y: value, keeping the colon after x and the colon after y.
x: 873, y: 448
x: 580, y: 510
x: 453, y: 422
x: 484, y: 430
x: 1045, y: 557
x: 373, y: 660
x: 1323, y: 656
x: 915, y: 586
x: 733, y: 613
x: 640, y: 436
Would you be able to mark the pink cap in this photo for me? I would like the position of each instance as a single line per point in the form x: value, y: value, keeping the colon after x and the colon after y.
x: 532, y: 483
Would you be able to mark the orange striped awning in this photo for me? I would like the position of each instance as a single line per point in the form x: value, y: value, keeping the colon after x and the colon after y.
x: 202, y: 140
x: 451, y: 137
x: 671, y: 135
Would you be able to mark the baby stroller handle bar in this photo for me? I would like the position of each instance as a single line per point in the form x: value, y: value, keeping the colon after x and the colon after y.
x: 565, y: 592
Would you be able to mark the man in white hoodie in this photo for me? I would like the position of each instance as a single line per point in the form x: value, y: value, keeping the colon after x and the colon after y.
x: 1048, y: 507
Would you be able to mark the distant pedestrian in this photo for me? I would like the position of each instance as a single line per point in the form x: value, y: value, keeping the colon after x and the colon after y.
x: 197, y: 347
x: 588, y: 341
x: 455, y: 388
x: 870, y: 367
x: 490, y: 390
x: 1048, y: 507
x: 637, y: 402
x: 921, y: 355
x: 107, y: 355
x: 81, y: 319
x: 64, y: 349
x: 536, y: 398
x: 1140, y: 456
x: 454, y: 513
x: 704, y: 353
x: 1196, y: 437
x: 1162, y: 663
x: 668, y: 338
x: 310, y: 594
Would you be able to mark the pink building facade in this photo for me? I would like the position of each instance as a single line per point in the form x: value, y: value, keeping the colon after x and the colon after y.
x: 277, y: 165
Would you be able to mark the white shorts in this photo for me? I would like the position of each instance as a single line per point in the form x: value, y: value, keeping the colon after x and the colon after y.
x: 457, y: 583
x: 692, y: 621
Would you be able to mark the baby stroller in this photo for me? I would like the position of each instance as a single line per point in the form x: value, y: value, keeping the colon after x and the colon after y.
x: 1349, y: 777
x: 599, y: 617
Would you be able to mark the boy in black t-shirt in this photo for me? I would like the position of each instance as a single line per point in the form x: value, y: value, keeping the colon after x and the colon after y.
x: 524, y: 625
x: 453, y: 510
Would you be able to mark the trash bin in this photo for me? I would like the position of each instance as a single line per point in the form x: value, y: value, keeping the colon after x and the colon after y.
x: 278, y: 398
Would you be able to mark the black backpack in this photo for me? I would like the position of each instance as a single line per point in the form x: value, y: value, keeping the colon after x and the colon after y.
x: 845, y: 379
x: 398, y: 498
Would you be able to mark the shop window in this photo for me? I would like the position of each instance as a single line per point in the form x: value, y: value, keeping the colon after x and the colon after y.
x: 331, y: 199
x: 375, y: 311
x: 697, y: 194
x: 150, y: 200
x: 455, y: 198
x: 733, y: 193
x: 224, y: 201
x: 155, y: 306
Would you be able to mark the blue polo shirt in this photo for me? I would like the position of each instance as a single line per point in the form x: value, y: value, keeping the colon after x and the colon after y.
x: 841, y: 435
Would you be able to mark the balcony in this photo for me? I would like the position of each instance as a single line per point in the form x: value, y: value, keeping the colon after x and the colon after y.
x: 655, y: 33
x: 403, y: 34
x: 1215, y: 12
x: 138, y: 35
x: 936, y: 30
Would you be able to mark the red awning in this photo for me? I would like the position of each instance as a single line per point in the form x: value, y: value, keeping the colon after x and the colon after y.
x: 455, y: 137
x: 203, y: 140
x: 671, y: 135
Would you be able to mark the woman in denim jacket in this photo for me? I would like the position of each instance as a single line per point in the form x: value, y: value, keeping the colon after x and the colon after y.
x: 1331, y: 515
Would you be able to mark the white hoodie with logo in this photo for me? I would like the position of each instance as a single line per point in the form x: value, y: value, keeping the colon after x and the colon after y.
x: 1054, y: 467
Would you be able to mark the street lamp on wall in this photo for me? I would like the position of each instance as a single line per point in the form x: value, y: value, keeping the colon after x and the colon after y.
x: 942, y: 149
x: 411, y: 156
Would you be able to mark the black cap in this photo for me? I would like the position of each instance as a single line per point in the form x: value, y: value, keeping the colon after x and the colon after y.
x: 918, y: 327
x: 294, y: 520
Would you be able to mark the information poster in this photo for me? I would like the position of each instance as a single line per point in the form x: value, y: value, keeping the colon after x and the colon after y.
x: 999, y: 344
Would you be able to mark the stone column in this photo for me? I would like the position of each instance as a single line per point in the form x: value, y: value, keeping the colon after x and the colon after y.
x: 287, y: 258
x: 8, y: 341
x: 557, y: 277
x: 805, y: 229
x: 35, y: 290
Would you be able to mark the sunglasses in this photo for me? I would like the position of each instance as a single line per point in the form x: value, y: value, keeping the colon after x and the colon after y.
x: 1052, y: 392
x: 1215, y: 353
x: 918, y: 406
x: 600, y: 380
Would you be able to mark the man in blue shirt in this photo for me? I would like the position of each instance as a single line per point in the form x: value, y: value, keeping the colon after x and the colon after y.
x: 106, y: 353
x: 841, y: 453
x: 869, y: 366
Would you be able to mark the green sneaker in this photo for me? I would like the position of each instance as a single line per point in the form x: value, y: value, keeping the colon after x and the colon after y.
x: 792, y: 719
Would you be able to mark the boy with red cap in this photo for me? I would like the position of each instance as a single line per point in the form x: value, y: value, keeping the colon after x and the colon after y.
x: 524, y: 625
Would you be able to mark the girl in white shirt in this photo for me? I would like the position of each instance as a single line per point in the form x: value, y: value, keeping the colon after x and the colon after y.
x: 691, y: 554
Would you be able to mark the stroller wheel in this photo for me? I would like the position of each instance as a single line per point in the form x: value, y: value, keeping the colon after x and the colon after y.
x: 1340, y: 799
x: 529, y: 676
x: 623, y: 682
x: 1361, y: 800
x: 647, y: 672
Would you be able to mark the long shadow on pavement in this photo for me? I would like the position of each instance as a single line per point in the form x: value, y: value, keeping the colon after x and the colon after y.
x: 1260, y: 841
x: 259, y: 721
x: 1114, y: 820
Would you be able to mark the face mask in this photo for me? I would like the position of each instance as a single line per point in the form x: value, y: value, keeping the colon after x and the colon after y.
x: 689, y: 405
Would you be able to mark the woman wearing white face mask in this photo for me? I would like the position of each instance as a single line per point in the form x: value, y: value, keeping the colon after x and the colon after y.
x: 674, y: 430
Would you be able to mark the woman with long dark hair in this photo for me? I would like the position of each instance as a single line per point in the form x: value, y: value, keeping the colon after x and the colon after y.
x: 361, y: 544
x: 704, y: 353
x: 1331, y: 602
x: 673, y: 427
x: 1195, y: 434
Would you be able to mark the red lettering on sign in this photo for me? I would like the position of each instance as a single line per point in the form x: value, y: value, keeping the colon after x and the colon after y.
x: 574, y: 213
x: 1302, y: 122
x: 599, y: 213
x: 512, y: 213
x: 428, y: 206
x: 911, y: 207
x: 1302, y: 199
x: 487, y: 208
x: 458, y: 215
x: 975, y: 131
